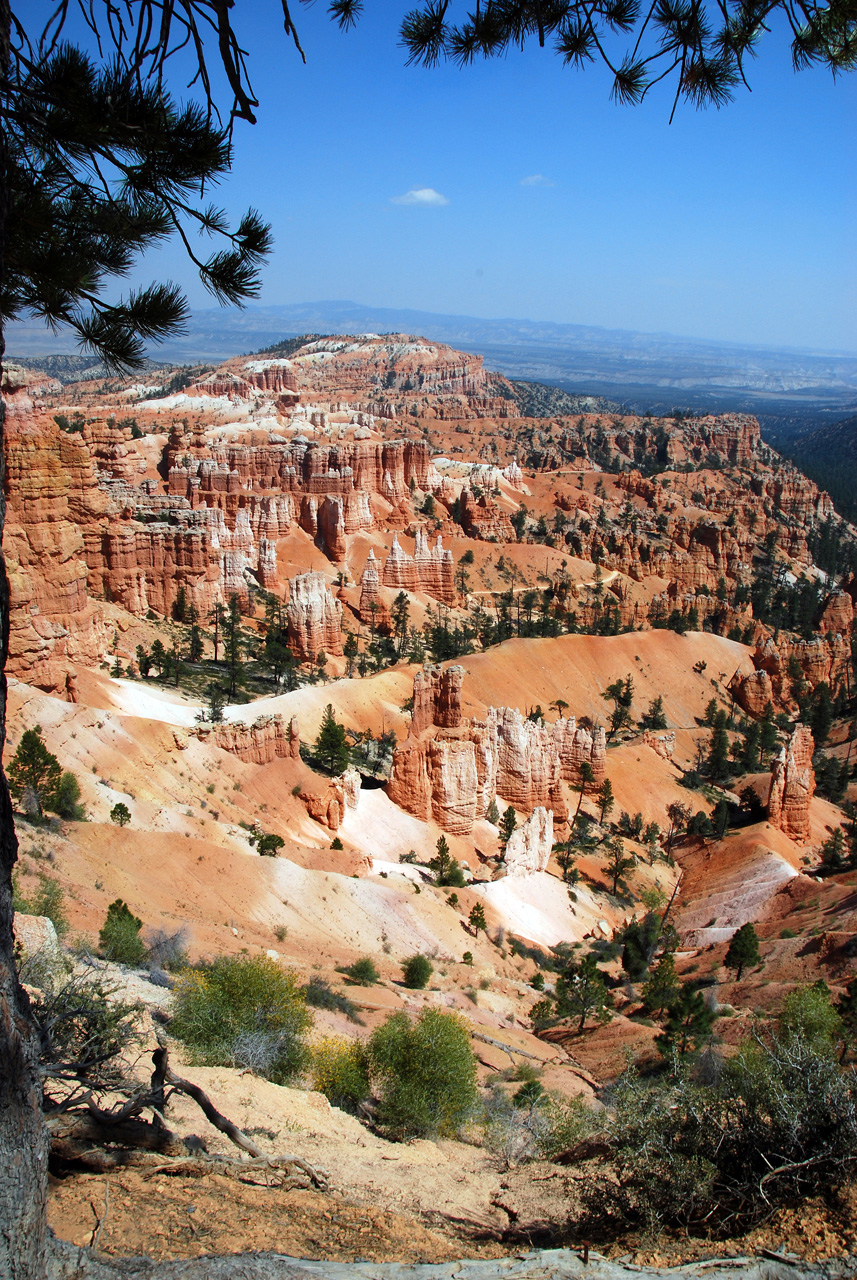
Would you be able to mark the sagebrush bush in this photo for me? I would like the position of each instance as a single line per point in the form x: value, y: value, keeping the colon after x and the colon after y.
x: 534, y: 1125
x: 340, y: 1070
x: 319, y: 993
x: 243, y: 1011
x: 425, y: 1074
x: 774, y: 1124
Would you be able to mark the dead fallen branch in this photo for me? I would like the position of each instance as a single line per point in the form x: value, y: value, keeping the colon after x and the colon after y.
x: 106, y: 1139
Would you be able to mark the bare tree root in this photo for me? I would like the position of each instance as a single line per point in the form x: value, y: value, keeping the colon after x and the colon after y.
x: 103, y: 1140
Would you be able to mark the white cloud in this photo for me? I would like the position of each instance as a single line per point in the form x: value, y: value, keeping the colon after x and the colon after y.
x: 425, y: 196
x: 537, y: 180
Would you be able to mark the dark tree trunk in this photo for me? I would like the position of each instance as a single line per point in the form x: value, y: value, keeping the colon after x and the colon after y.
x: 23, y: 1137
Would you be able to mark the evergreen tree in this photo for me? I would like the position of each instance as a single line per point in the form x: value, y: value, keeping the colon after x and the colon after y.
x: 617, y: 863
x: 477, y: 920
x: 743, y: 951
x: 767, y: 733
x: 331, y: 748
x: 581, y: 993
x: 718, y: 749
x: 833, y: 852
x: 34, y: 773
x: 233, y: 643
x: 710, y: 712
x: 606, y: 800
x: 655, y: 716
x: 639, y: 941
x: 689, y: 1023
x: 662, y: 987
x: 678, y: 815
x: 159, y: 656
x: 508, y: 823
x: 493, y: 813
x: 587, y: 778
x: 445, y: 867
x: 120, y: 814
x: 195, y: 646
x: 820, y: 716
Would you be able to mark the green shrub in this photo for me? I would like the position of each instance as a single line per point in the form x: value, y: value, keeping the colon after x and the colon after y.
x: 243, y: 1011
x: 119, y: 938
x: 48, y: 900
x: 363, y: 972
x: 723, y: 1148
x: 120, y: 814
x: 417, y: 971
x: 66, y: 799
x: 269, y: 845
x: 534, y: 1124
x: 340, y: 1070
x: 425, y: 1074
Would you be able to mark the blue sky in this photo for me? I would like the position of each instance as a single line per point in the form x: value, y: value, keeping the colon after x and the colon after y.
x: 556, y: 204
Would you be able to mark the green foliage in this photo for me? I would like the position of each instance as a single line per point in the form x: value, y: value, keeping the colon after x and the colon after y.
x: 639, y: 940
x: 340, y: 1070
x: 119, y: 938
x: 417, y: 971
x: 34, y: 773
x: 363, y: 972
x: 425, y: 1072
x: 688, y: 1025
x: 492, y: 814
x: 95, y: 184
x: 809, y: 1015
x: 476, y: 919
x: 268, y: 845
x: 120, y: 814
x: 243, y: 1011
x: 654, y: 717
x: 617, y: 862
x: 718, y: 749
x: 331, y: 749
x: 743, y: 951
x: 66, y: 799
x: 605, y: 800
x: 445, y: 867
x: 777, y: 1124
x: 662, y: 987
x: 581, y: 993
x: 48, y: 900
x: 508, y: 823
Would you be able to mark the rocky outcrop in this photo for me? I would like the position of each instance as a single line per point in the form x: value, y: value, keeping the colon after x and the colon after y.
x: 269, y: 738
x: 753, y: 692
x: 52, y: 499
x: 793, y: 786
x: 430, y: 570
x: 823, y: 659
x: 451, y: 768
x: 437, y: 698
x: 578, y: 745
x: 529, y: 847
x: 663, y: 744
x: 372, y: 608
x: 482, y: 518
x: 328, y: 806
x: 314, y: 618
